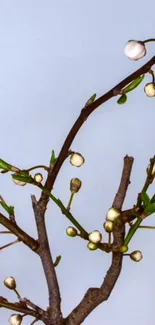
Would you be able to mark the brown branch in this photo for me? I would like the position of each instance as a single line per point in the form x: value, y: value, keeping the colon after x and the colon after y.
x: 85, y: 112
x: 95, y: 296
x: 48, y: 265
x: 20, y: 307
x: 17, y: 231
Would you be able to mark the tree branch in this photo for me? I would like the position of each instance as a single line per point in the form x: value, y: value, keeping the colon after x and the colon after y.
x: 95, y: 296
x: 85, y: 112
x: 21, y: 234
x: 48, y: 265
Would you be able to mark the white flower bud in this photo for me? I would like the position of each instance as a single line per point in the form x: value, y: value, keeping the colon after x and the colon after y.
x: 10, y: 283
x: 92, y: 246
x: 112, y: 214
x: 38, y: 177
x: 108, y: 226
x: 95, y: 237
x: 15, y: 319
x: 135, y: 50
x: 136, y: 256
x: 76, y: 159
x: 20, y: 183
x: 150, y: 89
x: 71, y: 231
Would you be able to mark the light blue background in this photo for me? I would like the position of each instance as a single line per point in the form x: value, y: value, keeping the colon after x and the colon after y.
x: 53, y: 56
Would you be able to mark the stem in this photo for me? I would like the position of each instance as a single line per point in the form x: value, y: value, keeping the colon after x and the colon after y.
x: 64, y: 210
x: 12, y: 243
x: 152, y: 73
x: 147, y: 227
x: 39, y: 166
x: 132, y: 231
x: 6, y: 232
x: 70, y: 200
x: 109, y: 238
x: 149, y: 40
x: 17, y: 293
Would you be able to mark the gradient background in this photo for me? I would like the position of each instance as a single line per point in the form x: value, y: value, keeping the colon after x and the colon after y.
x: 53, y: 56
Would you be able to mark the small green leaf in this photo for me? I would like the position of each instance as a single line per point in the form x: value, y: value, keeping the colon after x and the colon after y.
x: 23, y: 177
x: 90, y: 100
x: 134, y: 84
x: 8, y: 209
x: 4, y: 165
x: 57, y: 261
x: 145, y: 198
x: 122, y: 100
x: 150, y: 209
x: 53, y: 159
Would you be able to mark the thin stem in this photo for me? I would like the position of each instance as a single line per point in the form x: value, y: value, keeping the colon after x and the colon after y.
x: 10, y: 244
x: 147, y: 227
x: 6, y: 232
x: 149, y: 40
x: 70, y: 200
x: 109, y: 238
x: 152, y: 74
x: 36, y: 167
x: 17, y: 293
x: 132, y: 231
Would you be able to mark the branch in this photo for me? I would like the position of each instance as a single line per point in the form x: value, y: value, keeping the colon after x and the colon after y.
x: 95, y: 296
x: 17, y: 231
x: 48, y: 265
x: 20, y: 307
x: 85, y: 112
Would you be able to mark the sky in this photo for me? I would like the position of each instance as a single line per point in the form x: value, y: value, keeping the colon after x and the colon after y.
x: 53, y: 56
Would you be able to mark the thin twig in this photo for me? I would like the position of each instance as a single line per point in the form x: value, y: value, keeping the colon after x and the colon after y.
x: 48, y: 264
x: 85, y: 112
x: 95, y: 296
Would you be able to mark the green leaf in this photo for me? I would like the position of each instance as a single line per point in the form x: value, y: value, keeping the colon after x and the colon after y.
x: 8, y: 209
x: 145, y: 198
x: 90, y: 100
x: 150, y: 209
x: 53, y: 159
x: 134, y: 84
x: 23, y: 177
x: 122, y: 100
x: 57, y: 261
x: 4, y: 165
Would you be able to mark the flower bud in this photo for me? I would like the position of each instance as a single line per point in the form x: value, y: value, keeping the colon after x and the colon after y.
x: 92, y: 246
x: 123, y: 249
x: 15, y: 319
x: 71, y: 231
x: 38, y: 177
x: 95, y: 237
x: 10, y: 283
x: 112, y: 214
x: 108, y: 226
x: 20, y: 183
x: 150, y: 89
x: 75, y: 185
x: 136, y: 256
x: 135, y: 50
x: 76, y: 159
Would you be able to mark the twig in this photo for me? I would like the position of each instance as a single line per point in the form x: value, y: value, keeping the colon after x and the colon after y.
x: 48, y: 265
x: 17, y: 231
x: 85, y: 112
x: 95, y: 296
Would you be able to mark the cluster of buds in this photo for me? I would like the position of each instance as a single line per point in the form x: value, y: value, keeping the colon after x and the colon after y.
x: 112, y: 215
x: 76, y: 159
